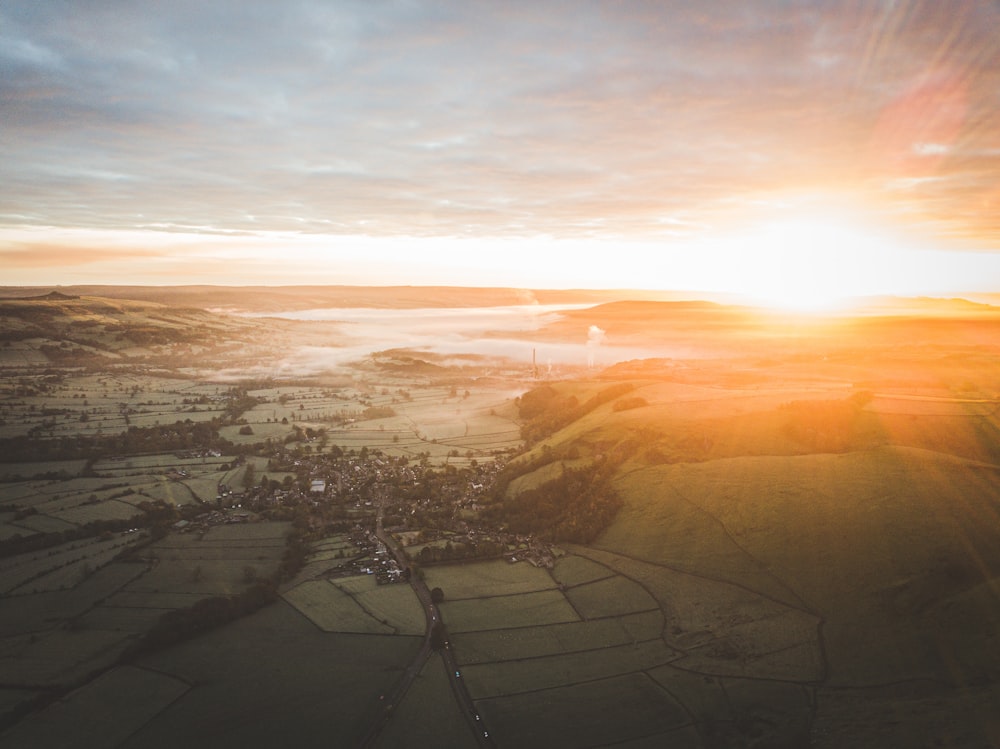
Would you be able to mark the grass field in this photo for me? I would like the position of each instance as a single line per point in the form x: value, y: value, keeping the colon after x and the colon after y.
x: 498, y: 577
x: 59, y: 656
x: 428, y: 715
x: 724, y: 629
x: 505, y: 612
x: 631, y: 707
x: 859, y: 513
x: 215, y: 564
x: 105, y: 712
x: 527, y: 657
x: 274, y: 679
x: 546, y: 672
x: 333, y: 610
x: 554, y: 639
x: 338, y: 542
x: 24, y: 572
x: 29, y: 614
x: 610, y: 597
x: 573, y: 569
x: 394, y: 604
x: 42, y: 524
x: 9, y: 471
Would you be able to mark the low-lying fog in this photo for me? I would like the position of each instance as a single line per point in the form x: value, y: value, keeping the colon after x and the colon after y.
x: 501, y: 334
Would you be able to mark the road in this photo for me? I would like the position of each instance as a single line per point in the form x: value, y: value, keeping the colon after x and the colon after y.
x: 433, y: 615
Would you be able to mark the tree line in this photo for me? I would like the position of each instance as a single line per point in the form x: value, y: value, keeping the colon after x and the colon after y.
x: 576, y: 506
x: 545, y: 410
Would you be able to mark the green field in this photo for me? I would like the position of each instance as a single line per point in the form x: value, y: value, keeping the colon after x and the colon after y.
x: 503, y: 612
x: 394, y: 604
x: 58, y: 656
x: 274, y: 679
x: 546, y: 672
x: 105, y: 712
x: 554, y: 639
x: 10, y: 471
x: 572, y: 569
x: 725, y: 629
x: 215, y: 563
x: 497, y: 577
x: 429, y: 715
x: 628, y: 708
x: 863, y: 524
x: 333, y: 610
x: 59, y: 567
x: 610, y: 597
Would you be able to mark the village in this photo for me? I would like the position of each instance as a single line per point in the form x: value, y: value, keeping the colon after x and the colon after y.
x: 431, y: 512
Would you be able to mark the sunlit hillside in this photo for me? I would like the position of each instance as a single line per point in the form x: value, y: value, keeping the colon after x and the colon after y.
x: 870, y: 509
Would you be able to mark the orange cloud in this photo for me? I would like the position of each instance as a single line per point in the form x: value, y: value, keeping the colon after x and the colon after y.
x: 45, y: 255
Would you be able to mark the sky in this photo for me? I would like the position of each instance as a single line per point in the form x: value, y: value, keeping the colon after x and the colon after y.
x: 791, y: 150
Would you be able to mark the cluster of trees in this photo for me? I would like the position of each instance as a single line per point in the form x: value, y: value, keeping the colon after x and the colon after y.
x: 481, y: 549
x: 156, y: 516
x: 545, y: 410
x: 18, y: 544
x: 378, y: 412
x: 66, y: 354
x: 208, y: 613
x: 576, y: 506
x: 181, y: 435
x: 627, y: 404
x: 239, y: 401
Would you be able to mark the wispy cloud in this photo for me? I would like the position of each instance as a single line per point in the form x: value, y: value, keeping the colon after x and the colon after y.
x: 568, y: 120
x: 38, y: 254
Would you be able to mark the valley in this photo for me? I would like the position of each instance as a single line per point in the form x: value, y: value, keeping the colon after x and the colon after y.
x: 724, y: 526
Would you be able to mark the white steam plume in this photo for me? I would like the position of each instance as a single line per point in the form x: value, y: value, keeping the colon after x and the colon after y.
x: 595, y: 337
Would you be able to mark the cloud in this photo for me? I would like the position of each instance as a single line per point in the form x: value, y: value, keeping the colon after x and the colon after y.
x: 42, y: 255
x: 567, y: 120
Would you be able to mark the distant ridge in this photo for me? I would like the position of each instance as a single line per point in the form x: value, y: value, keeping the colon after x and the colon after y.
x: 55, y: 296
x: 287, y: 298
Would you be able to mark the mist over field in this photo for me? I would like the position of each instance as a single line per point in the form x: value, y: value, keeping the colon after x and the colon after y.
x: 487, y: 335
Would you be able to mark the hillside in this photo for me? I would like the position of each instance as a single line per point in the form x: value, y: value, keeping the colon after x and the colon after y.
x: 94, y: 332
x: 867, y: 522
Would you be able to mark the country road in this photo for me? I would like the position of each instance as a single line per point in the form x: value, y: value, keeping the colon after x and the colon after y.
x: 433, y: 615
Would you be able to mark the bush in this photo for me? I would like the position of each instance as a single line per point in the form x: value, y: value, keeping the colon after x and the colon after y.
x: 626, y: 404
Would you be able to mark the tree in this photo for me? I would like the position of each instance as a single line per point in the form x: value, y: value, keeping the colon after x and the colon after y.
x: 439, y: 636
x: 437, y: 595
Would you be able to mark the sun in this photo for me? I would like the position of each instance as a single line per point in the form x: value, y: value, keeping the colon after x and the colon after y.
x: 812, y: 263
